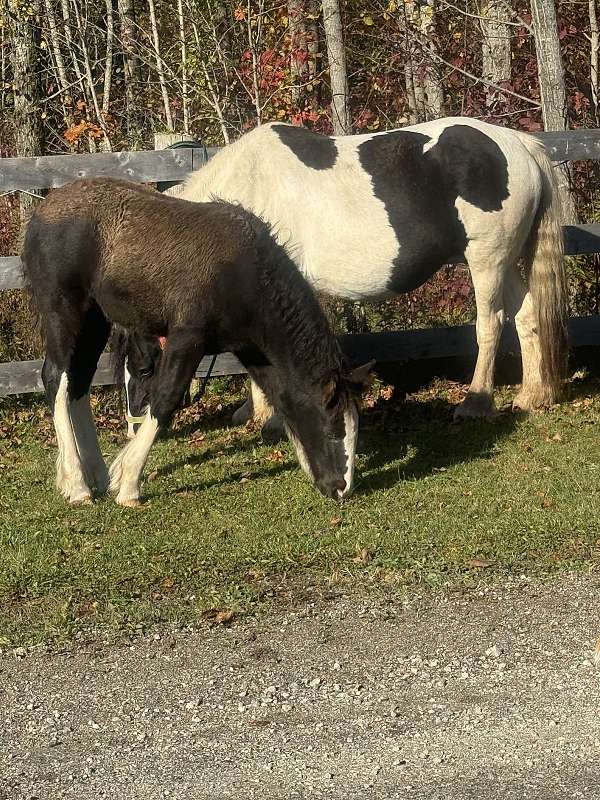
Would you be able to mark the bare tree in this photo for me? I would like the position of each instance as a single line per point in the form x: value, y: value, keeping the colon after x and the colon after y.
x: 159, y: 65
x: 185, y: 100
x: 594, y: 45
x: 552, y: 83
x: 131, y: 65
x: 495, y: 46
x: 336, y: 56
x: 28, y: 128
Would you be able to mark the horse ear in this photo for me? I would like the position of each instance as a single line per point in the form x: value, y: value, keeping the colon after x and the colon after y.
x: 363, y: 375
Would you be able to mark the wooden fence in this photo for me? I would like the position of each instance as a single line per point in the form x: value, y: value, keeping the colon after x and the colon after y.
x: 45, y: 172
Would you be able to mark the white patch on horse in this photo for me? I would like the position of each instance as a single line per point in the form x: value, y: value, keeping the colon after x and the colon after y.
x: 338, y: 232
x: 70, y: 480
x: 300, y: 452
x: 126, y: 470
x: 350, y: 439
x: 84, y: 429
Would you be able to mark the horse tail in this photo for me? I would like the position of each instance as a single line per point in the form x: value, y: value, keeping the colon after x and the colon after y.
x: 545, y: 265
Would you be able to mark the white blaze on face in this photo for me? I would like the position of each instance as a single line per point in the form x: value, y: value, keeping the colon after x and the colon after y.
x: 300, y: 452
x: 350, y: 440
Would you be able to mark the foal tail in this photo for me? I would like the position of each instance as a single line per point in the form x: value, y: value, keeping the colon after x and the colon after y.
x: 545, y: 265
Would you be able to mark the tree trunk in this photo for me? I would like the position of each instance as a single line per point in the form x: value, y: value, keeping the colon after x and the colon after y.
x: 132, y: 74
x: 159, y: 67
x: 495, y: 46
x: 432, y: 74
x: 336, y: 55
x: 594, y: 44
x: 298, y: 49
x: 552, y: 85
x: 28, y: 128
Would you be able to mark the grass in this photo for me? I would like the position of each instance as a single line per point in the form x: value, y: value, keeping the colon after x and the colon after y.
x: 232, y: 525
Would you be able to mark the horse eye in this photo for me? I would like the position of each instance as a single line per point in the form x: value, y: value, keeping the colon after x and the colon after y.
x: 145, y: 373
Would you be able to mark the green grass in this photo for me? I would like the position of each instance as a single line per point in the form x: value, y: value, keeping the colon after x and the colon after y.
x: 229, y: 523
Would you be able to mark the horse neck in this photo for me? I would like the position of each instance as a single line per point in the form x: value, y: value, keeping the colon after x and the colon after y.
x: 296, y: 334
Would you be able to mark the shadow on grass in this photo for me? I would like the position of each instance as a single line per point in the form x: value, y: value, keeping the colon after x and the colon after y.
x: 437, y: 443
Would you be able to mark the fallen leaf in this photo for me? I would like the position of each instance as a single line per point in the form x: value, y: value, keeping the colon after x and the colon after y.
x: 153, y: 475
x: 222, y: 617
x: 482, y: 563
x: 363, y: 557
x: 335, y: 521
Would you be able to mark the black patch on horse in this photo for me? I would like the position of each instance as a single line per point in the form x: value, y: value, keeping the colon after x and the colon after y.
x: 312, y: 149
x: 419, y: 191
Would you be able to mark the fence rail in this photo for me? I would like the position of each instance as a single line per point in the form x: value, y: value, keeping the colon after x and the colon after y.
x: 47, y: 172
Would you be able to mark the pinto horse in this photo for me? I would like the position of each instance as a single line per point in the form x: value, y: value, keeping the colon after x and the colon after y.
x: 368, y: 216
x: 209, y: 277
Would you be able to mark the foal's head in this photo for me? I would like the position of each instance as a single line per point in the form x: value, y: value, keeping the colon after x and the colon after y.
x: 137, y: 359
x: 321, y: 419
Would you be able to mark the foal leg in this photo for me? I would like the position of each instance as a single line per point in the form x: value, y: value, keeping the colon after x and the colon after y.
x: 534, y: 393
x: 487, y: 274
x: 179, y: 362
x: 91, y: 340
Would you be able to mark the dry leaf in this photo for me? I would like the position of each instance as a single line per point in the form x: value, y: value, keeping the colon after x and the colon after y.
x: 335, y: 521
x: 363, y: 557
x: 153, y: 475
x: 597, y: 654
x: 275, y: 455
x: 482, y: 563
x: 222, y: 617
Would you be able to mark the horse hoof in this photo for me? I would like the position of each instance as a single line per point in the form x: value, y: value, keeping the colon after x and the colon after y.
x: 243, y: 414
x: 84, y: 500
x: 272, y: 431
x: 130, y: 503
x: 475, y: 406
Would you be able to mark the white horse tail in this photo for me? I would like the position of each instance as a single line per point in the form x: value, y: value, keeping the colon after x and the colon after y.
x: 545, y: 264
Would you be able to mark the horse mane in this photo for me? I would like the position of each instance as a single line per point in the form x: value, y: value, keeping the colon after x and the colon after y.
x: 291, y: 299
x: 119, y: 342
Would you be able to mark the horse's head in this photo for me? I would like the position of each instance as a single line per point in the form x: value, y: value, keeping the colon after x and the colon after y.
x: 140, y: 361
x: 322, y: 423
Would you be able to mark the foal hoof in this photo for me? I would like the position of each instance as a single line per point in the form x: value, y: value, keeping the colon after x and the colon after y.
x: 84, y: 500
x: 131, y: 503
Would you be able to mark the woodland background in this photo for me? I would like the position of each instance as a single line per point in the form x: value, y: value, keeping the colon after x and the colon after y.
x: 93, y: 75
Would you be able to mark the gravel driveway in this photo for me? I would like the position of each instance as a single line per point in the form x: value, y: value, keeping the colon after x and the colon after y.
x: 490, y: 694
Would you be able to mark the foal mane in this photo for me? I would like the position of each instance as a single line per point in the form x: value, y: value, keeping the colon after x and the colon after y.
x: 291, y: 300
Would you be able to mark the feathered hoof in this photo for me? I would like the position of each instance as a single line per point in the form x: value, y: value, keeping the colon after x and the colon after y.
x: 476, y: 405
x: 82, y: 500
x: 532, y: 398
x: 130, y: 502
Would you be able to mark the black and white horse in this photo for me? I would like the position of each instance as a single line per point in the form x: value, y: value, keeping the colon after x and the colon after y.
x: 371, y: 215
x: 209, y: 277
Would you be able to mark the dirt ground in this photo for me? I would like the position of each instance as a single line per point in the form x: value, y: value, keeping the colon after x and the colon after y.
x: 490, y: 693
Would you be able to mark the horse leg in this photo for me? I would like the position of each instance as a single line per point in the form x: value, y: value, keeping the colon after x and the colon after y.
x: 488, y: 278
x: 63, y: 378
x: 90, y: 343
x: 182, y: 354
x: 534, y: 392
x: 272, y: 429
x: 244, y: 413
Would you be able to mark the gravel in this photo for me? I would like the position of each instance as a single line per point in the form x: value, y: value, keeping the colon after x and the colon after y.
x: 486, y: 694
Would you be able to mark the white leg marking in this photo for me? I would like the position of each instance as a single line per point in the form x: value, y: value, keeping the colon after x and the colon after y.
x: 70, y: 479
x: 350, y: 440
x: 262, y: 409
x: 487, y: 274
x: 84, y: 429
x: 534, y: 393
x: 126, y: 469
